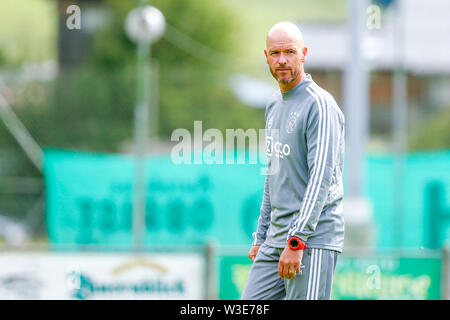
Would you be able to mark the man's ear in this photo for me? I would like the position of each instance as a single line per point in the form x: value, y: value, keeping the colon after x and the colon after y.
x: 304, y: 52
x: 267, y: 57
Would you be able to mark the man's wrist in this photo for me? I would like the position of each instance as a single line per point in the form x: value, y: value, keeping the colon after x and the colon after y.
x: 295, y: 243
x: 255, y: 241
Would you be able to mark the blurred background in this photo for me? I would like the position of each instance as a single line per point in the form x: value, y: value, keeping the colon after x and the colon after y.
x: 87, y: 115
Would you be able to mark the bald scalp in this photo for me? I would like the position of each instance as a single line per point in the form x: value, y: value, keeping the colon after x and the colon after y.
x: 285, y: 32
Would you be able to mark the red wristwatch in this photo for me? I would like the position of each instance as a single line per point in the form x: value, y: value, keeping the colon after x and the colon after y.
x: 295, y: 243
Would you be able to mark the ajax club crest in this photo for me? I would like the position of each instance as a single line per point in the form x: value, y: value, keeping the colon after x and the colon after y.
x: 292, y: 122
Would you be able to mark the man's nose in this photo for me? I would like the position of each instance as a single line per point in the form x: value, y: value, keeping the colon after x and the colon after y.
x: 282, y: 59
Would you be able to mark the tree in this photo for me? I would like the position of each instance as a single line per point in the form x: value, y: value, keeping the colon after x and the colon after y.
x: 91, y: 107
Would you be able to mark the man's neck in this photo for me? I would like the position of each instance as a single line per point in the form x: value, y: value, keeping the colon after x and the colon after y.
x: 290, y: 85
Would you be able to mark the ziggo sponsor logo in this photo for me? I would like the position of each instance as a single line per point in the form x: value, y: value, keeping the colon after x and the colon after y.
x: 277, y: 148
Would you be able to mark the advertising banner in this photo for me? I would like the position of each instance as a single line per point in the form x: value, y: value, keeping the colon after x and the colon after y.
x: 381, y: 278
x: 400, y: 278
x: 89, y: 200
x: 101, y: 276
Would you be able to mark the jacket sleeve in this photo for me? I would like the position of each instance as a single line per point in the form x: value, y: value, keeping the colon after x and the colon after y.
x: 323, y: 134
x: 264, y: 218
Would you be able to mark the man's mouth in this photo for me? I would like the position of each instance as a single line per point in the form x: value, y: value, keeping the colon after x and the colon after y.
x: 283, y: 69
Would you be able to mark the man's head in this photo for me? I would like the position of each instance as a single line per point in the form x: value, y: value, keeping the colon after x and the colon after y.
x: 285, y: 54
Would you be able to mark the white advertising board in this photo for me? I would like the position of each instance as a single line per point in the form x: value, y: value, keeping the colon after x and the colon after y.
x: 101, y: 276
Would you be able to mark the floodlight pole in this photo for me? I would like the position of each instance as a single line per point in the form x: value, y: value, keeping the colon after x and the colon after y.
x: 141, y: 120
x: 143, y: 25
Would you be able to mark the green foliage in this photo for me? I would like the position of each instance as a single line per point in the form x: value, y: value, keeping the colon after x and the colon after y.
x: 27, y: 31
x: 207, y: 22
x: 212, y: 103
x: 433, y: 134
x: 91, y: 107
x: 88, y: 110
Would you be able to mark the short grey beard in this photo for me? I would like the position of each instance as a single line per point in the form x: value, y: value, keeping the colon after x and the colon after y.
x: 295, y: 76
x: 287, y: 81
x: 281, y: 81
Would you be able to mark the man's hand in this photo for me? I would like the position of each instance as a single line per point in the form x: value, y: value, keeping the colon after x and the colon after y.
x: 289, y: 263
x: 253, y: 252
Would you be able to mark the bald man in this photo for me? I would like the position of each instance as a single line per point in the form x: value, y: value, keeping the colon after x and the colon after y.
x: 300, y: 230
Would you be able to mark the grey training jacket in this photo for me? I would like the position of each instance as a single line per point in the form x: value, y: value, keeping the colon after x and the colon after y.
x: 303, y: 190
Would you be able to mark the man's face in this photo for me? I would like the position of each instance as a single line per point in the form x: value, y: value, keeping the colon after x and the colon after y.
x: 285, y: 59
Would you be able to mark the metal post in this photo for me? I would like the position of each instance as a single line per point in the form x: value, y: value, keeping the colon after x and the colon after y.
x: 356, y: 95
x: 154, y: 102
x: 144, y: 25
x: 445, y: 276
x: 399, y: 124
x: 358, y: 209
x: 210, y: 293
x: 141, y: 142
x: 21, y: 134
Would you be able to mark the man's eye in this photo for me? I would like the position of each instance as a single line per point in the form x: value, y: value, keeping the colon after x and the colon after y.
x: 275, y: 52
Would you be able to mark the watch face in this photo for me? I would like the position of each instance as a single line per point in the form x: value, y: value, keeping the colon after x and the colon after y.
x: 294, y: 243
